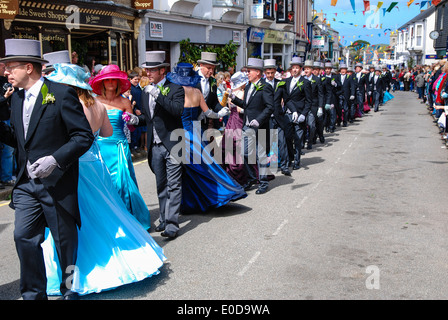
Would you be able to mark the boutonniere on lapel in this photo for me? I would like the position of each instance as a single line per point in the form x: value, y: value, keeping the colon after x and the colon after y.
x: 164, y: 91
x: 258, y: 87
x: 47, y: 97
x: 281, y: 83
x: 313, y: 81
x: 300, y: 84
x: 212, y: 83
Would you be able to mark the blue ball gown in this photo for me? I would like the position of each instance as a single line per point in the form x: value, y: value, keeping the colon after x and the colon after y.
x: 117, y: 156
x: 113, y: 247
x: 387, y: 96
x: 205, y: 184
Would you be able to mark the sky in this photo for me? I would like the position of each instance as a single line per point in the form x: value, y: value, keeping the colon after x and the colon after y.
x: 377, y: 23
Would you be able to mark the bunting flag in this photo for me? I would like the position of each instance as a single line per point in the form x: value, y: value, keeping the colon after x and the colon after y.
x: 303, y: 29
x: 392, y: 5
x: 366, y: 5
x: 435, y: 2
x: 379, y: 5
x: 410, y: 2
x: 333, y: 2
x: 422, y: 4
x: 353, y: 4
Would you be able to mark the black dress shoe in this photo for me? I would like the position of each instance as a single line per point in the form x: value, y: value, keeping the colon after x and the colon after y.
x: 170, y: 236
x: 322, y: 139
x: 296, y: 166
x: 309, y: 147
x: 71, y: 296
x: 249, y: 185
x: 261, y: 190
x: 286, y: 172
x: 160, y: 228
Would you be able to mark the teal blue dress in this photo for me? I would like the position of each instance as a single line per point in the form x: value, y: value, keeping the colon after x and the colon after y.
x: 116, y: 154
x: 114, y: 249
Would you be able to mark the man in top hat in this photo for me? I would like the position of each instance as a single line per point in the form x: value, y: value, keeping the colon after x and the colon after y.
x: 376, y: 88
x: 297, y: 100
x: 346, y: 91
x: 387, y: 79
x: 162, y: 106
x: 329, y: 87
x: 370, y: 75
x: 50, y: 131
x: 315, y: 116
x: 279, y: 120
x: 361, y: 82
x: 258, y: 105
x: 53, y: 58
x: 208, y: 86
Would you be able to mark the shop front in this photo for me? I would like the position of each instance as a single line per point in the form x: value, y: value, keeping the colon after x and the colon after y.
x: 101, y: 32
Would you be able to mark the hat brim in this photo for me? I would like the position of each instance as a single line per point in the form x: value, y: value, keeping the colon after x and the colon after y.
x: 208, y: 62
x: 48, y: 69
x: 24, y: 59
x: 296, y: 64
x: 308, y: 65
x: 97, y: 82
x: 152, y: 66
x: 255, y: 67
x: 270, y: 67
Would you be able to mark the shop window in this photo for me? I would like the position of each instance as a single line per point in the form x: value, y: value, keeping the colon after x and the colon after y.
x: 284, y: 11
x: 53, y: 39
x: 268, y: 8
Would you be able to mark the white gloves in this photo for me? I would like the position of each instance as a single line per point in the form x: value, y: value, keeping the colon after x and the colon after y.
x: 370, y: 93
x: 352, y: 97
x: 224, y: 112
x: 213, y: 115
x: 333, y: 83
x: 295, y: 116
x: 254, y: 124
x: 131, y: 119
x: 152, y: 90
x: 320, y: 112
x: 301, y: 118
x: 327, y: 107
x: 43, y: 167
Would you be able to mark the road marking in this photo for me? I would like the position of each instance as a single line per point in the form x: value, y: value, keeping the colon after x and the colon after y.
x: 302, y: 202
x: 251, y: 261
x: 4, y: 203
x: 140, y: 162
x: 280, y: 227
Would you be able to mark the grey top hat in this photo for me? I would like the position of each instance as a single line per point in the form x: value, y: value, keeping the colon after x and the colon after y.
x: 155, y: 59
x: 350, y: 68
x: 328, y: 65
x: 25, y: 50
x: 308, y: 63
x: 317, y: 64
x: 270, y: 64
x: 255, y: 63
x: 342, y: 66
x: 296, y: 61
x: 55, y: 57
x: 378, y: 68
x: 359, y: 65
x: 209, y: 58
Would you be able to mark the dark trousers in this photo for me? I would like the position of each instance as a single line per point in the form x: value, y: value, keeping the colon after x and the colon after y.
x: 376, y: 100
x: 295, y: 144
x: 283, y: 162
x: 168, y: 172
x: 255, y: 153
x: 34, y: 210
x: 330, y: 118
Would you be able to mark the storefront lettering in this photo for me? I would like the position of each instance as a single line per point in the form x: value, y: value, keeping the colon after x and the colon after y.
x: 43, y: 14
x: 52, y: 38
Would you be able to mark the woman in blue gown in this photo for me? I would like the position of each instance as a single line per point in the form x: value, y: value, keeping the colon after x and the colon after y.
x: 113, y: 247
x: 109, y: 84
x: 205, y: 183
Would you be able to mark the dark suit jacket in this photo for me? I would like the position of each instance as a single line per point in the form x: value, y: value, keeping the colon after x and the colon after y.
x: 59, y: 129
x: 167, y: 115
x: 347, y: 89
x: 317, y: 94
x: 379, y: 86
x: 362, y: 83
x: 260, y: 105
x: 328, y: 90
x: 299, y: 99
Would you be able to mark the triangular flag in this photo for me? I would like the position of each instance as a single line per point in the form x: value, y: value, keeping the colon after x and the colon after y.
x: 392, y: 5
x: 410, y: 2
x: 366, y: 5
x: 384, y: 12
x: 333, y: 2
x: 353, y: 4
x: 435, y: 2
x: 422, y: 4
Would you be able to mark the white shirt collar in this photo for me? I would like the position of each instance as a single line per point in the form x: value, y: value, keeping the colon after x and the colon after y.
x: 35, y: 89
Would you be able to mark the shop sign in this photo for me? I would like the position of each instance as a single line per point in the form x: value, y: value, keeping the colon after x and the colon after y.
x: 256, y: 11
x: 143, y: 4
x: 431, y: 56
x: 236, y: 36
x: 318, y: 42
x: 9, y: 9
x: 255, y: 35
x: 273, y: 36
x: 156, y: 29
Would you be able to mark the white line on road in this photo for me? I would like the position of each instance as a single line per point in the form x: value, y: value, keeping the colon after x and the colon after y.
x: 280, y: 227
x: 247, y: 266
x: 302, y: 202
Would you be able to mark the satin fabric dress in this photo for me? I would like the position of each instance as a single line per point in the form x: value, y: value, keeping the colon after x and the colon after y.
x: 113, y: 247
x: 205, y: 183
x: 116, y: 154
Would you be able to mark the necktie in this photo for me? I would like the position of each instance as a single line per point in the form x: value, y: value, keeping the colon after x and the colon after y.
x: 293, y: 83
x: 27, y: 109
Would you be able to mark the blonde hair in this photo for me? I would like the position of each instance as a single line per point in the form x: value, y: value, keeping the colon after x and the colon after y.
x: 84, y: 95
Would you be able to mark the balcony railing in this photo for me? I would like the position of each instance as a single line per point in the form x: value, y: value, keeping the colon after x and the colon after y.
x: 229, y: 3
